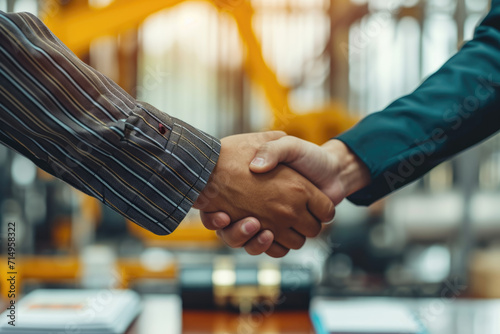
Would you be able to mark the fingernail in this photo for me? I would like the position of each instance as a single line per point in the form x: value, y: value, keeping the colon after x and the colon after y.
x: 263, y: 238
x: 250, y: 227
x: 258, y: 162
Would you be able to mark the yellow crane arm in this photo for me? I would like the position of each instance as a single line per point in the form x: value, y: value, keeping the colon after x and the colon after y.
x: 77, y: 24
x: 256, y: 66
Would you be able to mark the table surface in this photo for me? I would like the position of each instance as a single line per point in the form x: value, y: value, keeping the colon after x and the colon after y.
x: 440, y: 316
x: 163, y: 315
x: 213, y: 322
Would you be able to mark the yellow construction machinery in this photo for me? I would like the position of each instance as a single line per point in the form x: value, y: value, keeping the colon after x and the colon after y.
x: 77, y: 24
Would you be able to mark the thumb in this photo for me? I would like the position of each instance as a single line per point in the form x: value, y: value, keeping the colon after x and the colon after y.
x: 269, y: 155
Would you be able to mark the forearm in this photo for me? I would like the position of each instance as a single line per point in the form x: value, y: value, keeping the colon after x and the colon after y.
x: 80, y: 126
x: 454, y: 109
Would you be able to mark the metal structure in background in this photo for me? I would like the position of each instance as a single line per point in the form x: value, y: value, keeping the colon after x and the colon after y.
x: 202, y: 61
x: 77, y: 23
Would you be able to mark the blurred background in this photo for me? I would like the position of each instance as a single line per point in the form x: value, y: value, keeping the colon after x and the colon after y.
x: 309, y: 67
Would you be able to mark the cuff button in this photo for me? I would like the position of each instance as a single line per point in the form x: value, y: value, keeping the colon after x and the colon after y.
x: 162, y: 129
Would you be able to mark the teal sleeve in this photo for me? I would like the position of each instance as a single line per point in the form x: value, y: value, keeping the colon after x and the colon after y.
x: 453, y: 109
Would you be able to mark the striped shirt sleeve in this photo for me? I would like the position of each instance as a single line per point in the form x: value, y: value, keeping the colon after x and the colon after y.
x: 81, y: 127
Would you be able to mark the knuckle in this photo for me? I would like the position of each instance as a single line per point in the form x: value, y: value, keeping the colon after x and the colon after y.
x: 301, y: 243
x: 287, y: 212
x: 298, y: 186
x: 296, y: 241
x: 326, y: 217
x: 314, y: 231
x: 289, y: 140
x: 275, y: 134
x: 280, y: 209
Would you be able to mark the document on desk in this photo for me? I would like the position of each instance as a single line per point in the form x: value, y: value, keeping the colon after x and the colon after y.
x: 73, y: 311
x: 161, y: 314
x: 363, y: 316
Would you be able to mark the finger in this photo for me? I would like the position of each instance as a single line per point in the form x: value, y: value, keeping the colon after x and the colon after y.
x: 307, y: 224
x: 215, y: 221
x: 290, y: 238
x: 276, y: 250
x: 260, y: 243
x: 284, y: 150
x: 238, y: 234
x: 320, y: 205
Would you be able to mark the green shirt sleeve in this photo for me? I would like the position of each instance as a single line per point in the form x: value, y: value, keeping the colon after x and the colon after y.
x: 455, y: 108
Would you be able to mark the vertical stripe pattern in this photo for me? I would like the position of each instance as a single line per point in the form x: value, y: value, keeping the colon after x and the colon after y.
x: 81, y: 127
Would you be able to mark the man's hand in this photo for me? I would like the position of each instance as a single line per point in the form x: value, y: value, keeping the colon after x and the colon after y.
x: 333, y: 168
x: 283, y: 201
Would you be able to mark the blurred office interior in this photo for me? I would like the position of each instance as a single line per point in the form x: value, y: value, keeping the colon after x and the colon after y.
x: 309, y: 67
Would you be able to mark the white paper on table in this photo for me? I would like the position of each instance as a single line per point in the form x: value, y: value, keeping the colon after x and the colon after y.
x: 366, y: 315
x: 159, y: 308
x: 84, y: 311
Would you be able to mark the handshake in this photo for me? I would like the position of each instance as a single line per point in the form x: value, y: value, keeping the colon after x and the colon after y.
x: 269, y: 191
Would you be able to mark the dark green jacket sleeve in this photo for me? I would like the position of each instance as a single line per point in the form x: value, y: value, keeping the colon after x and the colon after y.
x: 455, y: 108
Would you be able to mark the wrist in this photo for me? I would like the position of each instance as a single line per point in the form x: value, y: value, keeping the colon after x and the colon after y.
x: 209, y: 192
x: 353, y: 174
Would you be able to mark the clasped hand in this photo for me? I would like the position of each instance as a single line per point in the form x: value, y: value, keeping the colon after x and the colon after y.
x: 269, y: 191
